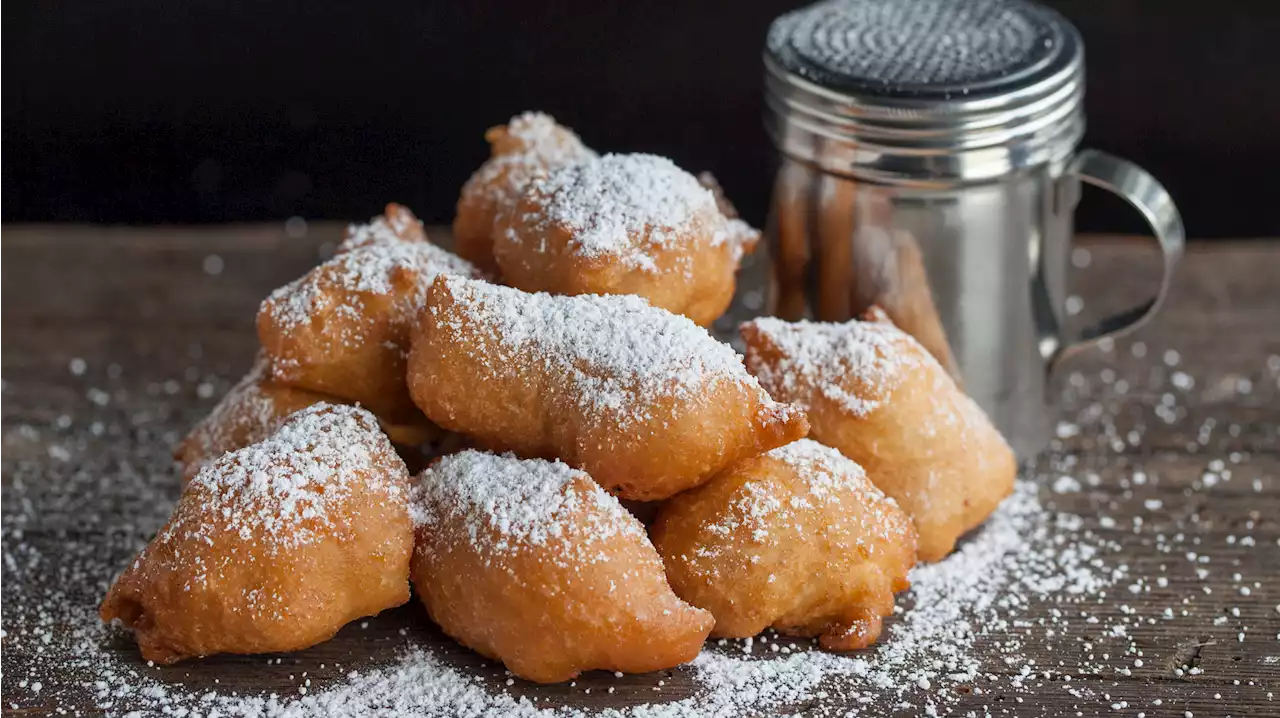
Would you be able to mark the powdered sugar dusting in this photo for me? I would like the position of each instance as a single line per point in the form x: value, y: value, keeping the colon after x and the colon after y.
x: 820, y: 356
x: 529, y: 145
x: 245, y: 406
x: 371, y: 270
x: 620, y: 352
x: 741, y: 236
x: 397, y: 224
x: 283, y: 487
x: 621, y: 206
x: 970, y: 622
x: 763, y: 511
x: 973, y: 597
x: 515, y: 172
x: 537, y: 134
x: 826, y: 471
x: 1040, y: 608
x: 507, y: 503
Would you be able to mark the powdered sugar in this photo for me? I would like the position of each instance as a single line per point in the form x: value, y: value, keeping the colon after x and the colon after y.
x: 537, y: 134
x: 739, y: 235
x: 282, y: 488
x: 389, y: 257
x: 972, y: 598
x: 244, y: 409
x: 507, y: 503
x: 1026, y: 611
x: 621, y: 206
x: 828, y: 491
x: 529, y: 145
x: 501, y: 179
x: 620, y: 353
x: 396, y: 224
x: 798, y: 358
x: 371, y: 270
x: 826, y: 472
x: 970, y: 622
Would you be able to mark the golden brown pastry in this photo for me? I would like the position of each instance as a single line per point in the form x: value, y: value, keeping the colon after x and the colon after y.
x: 625, y: 224
x: 251, y: 411
x: 525, y: 148
x: 276, y: 546
x: 873, y: 392
x: 255, y: 408
x: 396, y: 224
x: 797, y: 539
x: 343, y: 328
x: 644, y: 400
x: 531, y: 563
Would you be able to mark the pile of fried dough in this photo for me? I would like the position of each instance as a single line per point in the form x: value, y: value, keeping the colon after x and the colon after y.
x: 602, y: 483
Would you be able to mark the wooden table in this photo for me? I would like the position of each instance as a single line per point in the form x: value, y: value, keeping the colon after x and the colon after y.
x: 116, y: 339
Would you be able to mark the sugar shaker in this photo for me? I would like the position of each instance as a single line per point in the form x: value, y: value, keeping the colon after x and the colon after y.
x: 929, y: 164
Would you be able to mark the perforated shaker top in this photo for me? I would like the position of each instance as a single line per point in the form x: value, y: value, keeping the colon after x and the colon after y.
x: 928, y: 48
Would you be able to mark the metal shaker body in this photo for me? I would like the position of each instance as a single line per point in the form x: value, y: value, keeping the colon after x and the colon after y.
x: 949, y: 205
x: 955, y: 263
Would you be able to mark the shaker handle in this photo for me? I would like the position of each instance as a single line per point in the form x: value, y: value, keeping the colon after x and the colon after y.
x: 1137, y: 187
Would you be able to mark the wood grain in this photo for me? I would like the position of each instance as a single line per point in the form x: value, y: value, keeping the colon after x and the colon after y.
x: 141, y: 308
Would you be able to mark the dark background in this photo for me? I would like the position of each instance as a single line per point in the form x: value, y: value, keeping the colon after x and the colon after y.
x: 214, y: 111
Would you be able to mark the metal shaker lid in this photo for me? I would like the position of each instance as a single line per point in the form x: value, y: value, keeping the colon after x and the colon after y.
x: 918, y: 90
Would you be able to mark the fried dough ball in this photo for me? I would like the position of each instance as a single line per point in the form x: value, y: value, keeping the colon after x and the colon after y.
x: 396, y: 224
x: 873, y: 392
x: 525, y: 148
x: 255, y: 408
x: 644, y: 400
x: 251, y: 411
x: 625, y: 224
x: 531, y: 563
x: 797, y: 539
x: 276, y: 546
x: 343, y: 328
